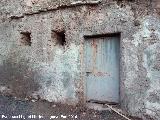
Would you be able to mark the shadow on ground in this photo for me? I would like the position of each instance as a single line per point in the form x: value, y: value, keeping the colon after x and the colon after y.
x: 10, y: 107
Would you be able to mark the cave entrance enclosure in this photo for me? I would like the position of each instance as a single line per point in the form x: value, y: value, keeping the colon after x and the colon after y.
x: 102, y: 58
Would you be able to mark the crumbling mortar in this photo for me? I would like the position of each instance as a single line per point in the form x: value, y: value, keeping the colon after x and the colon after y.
x: 57, y: 8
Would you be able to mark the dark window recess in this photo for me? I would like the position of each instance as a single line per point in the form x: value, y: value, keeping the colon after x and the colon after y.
x: 26, y: 38
x: 60, y: 37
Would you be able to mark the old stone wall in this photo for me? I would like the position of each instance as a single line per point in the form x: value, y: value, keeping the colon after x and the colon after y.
x: 49, y: 70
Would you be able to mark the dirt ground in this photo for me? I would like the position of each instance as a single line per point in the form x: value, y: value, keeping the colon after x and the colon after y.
x: 11, y: 108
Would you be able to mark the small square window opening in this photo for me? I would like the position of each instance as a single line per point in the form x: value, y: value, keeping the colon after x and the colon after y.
x: 26, y: 38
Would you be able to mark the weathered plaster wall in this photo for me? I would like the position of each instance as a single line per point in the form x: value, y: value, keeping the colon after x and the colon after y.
x: 52, y: 72
x: 56, y: 66
x: 147, y: 42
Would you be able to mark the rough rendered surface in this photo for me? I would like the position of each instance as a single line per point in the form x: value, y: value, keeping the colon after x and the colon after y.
x: 50, y: 71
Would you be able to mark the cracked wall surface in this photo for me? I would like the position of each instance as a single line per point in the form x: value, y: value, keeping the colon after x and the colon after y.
x: 47, y: 70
